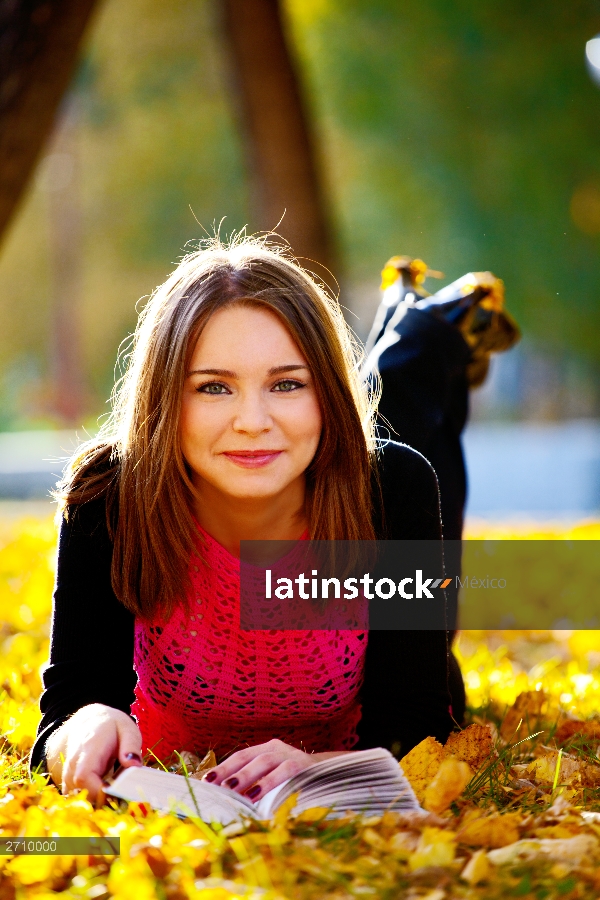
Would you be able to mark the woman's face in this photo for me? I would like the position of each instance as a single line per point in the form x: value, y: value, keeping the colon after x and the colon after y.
x: 250, y: 420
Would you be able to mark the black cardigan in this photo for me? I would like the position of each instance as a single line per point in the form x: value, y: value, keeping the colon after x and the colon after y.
x: 405, y: 695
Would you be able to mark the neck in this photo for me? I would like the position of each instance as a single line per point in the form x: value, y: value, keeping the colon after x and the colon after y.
x: 230, y: 520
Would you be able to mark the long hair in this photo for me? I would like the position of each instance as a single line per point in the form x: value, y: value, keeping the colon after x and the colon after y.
x: 137, y: 461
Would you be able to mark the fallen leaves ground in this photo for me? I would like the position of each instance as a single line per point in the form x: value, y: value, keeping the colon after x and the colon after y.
x: 513, y: 800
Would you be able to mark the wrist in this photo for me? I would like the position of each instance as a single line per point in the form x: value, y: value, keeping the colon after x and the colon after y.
x: 53, y: 755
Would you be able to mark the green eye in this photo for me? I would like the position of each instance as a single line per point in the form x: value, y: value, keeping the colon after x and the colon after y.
x: 287, y: 386
x: 213, y: 387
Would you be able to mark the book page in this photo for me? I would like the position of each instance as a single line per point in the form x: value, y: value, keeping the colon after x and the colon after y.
x: 369, y: 781
x: 267, y: 805
x: 173, y: 793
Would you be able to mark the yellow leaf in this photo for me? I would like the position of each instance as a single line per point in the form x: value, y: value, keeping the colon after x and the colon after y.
x: 560, y: 870
x: 403, y: 843
x: 132, y: 878
x: 31, y: 869
x: 196, y: 767
x: 543, y: 770
x: 312, y: 815
x: 421, y: 764
x: 575, y: 850
x: 34, y: 822
x: 564, y: 830
x: 282, y: 814
x: 489, y: 831
x: 436, y: 847
x: 477, y: 869
x: 374, y: 840
x: 448, y: 783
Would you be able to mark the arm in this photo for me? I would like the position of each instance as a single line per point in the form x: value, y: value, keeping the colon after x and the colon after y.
x: 405, y: 694
x: 91, y: 650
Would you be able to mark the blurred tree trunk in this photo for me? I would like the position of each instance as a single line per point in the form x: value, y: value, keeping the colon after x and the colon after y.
x: 59, y: 178
x: 279, y: 143
x: 39, y: 43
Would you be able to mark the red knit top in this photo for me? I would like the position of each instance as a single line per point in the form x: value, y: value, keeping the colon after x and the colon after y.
x: 203, y: 683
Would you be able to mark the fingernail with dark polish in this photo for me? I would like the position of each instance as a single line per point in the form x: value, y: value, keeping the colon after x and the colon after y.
x: 135, y: 756
x: 232, y: 783
x: 211, y: 776
x: 253, y: 791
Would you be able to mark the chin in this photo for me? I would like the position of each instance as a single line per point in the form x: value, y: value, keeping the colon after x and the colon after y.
x: 251, y: 484
x: 254, y: 491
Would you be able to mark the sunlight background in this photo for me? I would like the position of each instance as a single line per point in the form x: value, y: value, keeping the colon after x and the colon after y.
x: 469, y: 140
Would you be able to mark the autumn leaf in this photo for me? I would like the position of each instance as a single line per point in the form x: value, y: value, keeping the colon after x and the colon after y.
x: 315, y: 814
x: 442, y: 856
x: 547, y: 769
x: 575, y: 728
x: 477, y: 869
x: 575, y: 850
x: 209, y: 761
x: 30, y: 870
x: 525, y: 715
x: 421, y: 764
x: 373, y: 839
x: 473, y: 745
x: 403, y: 844
x: 478, y: 830
x: 590, y: 775
x: 436, y: 847
x: 448, y: 783
x: 282, y: 814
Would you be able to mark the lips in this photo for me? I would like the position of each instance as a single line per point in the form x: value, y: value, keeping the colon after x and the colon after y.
x: 252, y: 459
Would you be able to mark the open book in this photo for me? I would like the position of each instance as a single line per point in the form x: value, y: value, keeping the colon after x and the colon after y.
x: 369, y: 781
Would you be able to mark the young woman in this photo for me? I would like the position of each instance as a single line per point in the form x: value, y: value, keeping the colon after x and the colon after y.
x: 241, y: 416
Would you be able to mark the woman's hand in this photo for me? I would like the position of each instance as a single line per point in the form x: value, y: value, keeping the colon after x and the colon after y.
x: 257, y: 770
x: 82, y: 751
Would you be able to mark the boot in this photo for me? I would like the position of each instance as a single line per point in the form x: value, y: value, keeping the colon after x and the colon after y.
x: 474, y: 304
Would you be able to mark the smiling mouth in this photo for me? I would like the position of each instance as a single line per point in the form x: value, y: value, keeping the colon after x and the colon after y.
x: 252, y: 459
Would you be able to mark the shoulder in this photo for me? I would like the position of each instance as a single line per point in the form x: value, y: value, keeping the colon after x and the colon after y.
x: 87, y: 518
x: 409, y: 494
x: 400, y: 460
x: 88, y: 493
x: 90, y: 482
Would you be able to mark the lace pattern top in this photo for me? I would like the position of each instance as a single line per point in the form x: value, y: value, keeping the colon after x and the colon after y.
x: 405, y: 692
x: 205, y: 684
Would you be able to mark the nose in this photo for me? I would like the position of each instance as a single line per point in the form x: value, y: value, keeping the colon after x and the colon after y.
x: 252, y: 415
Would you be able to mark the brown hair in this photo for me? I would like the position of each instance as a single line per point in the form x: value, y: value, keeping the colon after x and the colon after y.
x: 137, y: 460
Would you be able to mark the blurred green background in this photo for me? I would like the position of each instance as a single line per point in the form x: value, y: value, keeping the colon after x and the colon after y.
x: 460, y: 131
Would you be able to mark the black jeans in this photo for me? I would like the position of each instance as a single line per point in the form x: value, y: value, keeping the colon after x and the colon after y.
x: 425, y: 399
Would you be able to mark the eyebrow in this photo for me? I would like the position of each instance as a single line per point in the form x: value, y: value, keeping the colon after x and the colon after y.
x: 227, y: 373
